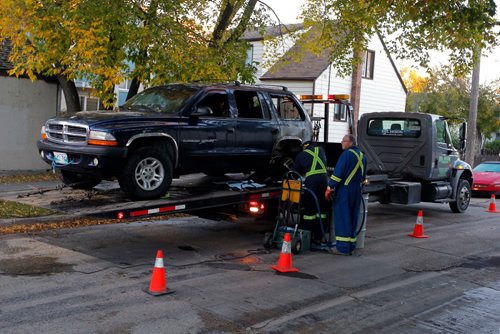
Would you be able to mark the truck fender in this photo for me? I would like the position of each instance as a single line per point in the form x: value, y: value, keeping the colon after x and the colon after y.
x: 461, y: 170
x: 162, y: 135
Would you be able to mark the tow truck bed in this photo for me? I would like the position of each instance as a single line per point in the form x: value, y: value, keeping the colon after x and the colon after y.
x: 187, y: 194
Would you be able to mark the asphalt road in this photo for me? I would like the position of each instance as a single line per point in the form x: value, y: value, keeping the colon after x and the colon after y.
x: 91, y: 280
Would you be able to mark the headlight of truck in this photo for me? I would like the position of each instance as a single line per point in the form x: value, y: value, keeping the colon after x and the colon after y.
x: 43, y: 134
x: 101, y: 138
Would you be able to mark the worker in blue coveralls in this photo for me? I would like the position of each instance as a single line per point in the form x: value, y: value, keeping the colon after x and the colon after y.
x: 311, y: 164
x: 345, y: 184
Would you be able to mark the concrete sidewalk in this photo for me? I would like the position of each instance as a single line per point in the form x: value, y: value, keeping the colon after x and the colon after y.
x: 29, y: 186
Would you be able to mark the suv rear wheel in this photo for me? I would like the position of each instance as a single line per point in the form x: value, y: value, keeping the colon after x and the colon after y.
x: 147, y: 173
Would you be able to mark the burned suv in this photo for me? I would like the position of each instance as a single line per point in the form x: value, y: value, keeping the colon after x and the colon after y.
x: 173, y: 130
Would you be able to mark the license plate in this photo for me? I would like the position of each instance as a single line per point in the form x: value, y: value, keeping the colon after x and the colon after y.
x: 61, y: 158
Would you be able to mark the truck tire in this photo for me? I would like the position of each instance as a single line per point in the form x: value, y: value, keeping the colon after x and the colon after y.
x: 462, y: 197
x: 77, y: 181
x: 147, y: 173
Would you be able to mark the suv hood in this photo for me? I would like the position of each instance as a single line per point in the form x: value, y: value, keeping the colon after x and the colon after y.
x: 116, y: 119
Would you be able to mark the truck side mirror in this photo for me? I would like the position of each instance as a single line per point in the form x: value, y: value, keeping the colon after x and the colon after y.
x: 462, y: 136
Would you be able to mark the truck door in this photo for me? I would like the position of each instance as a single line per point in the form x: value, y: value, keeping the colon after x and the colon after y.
x: 210, y: 134
x: 445, y: 154
x: 256, y: 132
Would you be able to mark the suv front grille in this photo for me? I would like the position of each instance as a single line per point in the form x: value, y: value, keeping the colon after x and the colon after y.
x: 65, y: 132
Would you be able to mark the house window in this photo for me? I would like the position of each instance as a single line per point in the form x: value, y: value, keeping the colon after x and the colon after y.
x: 90, y: 103
x: 249, y: 59
x: 368, y: 64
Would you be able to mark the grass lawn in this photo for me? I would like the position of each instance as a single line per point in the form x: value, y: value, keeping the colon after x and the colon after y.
x: 10, y: 209
x: 28, y: 177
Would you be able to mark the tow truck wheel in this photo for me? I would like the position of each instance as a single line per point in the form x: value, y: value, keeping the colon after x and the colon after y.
x: 296, y: 246
x: 147, y: 173
x: 462, y: 197
x: 76, y: 180
x: 268, y: 240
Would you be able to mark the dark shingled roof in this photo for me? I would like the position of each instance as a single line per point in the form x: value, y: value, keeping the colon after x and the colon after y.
x: 308, y: 67
x: 5, y: 48
x: 271, y: 31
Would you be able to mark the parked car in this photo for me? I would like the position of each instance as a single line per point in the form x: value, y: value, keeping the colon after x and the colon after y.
x: 171, y: 130
x: 487, y: 178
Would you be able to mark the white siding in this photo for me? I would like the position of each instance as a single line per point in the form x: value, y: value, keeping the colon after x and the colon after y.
x: 338, y: 85
x: 24, y: 108
x: 265, y: 54
x: 384, y: 92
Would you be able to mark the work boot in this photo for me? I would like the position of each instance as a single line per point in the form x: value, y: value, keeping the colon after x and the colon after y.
x: 335, y: 251
x: 357, y: 252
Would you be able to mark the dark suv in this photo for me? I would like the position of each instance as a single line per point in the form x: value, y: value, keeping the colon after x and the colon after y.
x: 177, y: 129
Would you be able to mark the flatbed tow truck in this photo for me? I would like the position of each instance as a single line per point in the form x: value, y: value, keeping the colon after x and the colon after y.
x: 189, y: 193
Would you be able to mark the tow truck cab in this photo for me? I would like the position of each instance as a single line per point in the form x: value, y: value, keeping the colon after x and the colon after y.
x: 411, y: 159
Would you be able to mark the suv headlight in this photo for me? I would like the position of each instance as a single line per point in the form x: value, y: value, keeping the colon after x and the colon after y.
x: 101, y: 138
x: 43, y: 134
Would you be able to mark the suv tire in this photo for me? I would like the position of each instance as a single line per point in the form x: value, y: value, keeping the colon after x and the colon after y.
x: 147, y: 173
x: 76, y: 180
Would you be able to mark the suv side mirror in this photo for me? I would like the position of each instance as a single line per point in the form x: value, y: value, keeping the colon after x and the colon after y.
x: 202, y: 111
x: 462, y: 136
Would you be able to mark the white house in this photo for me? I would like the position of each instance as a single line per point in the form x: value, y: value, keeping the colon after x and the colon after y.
x: 382, y: 88
x: 24, y: 108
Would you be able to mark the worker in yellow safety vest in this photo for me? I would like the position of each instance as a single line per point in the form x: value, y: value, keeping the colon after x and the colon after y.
x: 311, y: 164
x: 345, y: 185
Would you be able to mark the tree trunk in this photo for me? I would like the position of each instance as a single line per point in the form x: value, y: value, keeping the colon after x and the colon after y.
x: 356, y: 86
x: 70, y: 94
x: 226, y: 15
x: 242, y: 25
x: 470, y: 151
x: 134, y: 88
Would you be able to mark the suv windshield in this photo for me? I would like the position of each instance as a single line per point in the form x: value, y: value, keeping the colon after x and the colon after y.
x: 164, y: 99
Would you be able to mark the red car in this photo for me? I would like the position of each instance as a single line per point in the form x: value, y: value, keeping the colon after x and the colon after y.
x: 487, y: 177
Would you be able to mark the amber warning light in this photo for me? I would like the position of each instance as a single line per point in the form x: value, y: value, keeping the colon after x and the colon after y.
x: 325, y: 97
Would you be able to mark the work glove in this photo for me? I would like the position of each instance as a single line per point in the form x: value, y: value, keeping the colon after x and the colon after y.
x: 328, y: 192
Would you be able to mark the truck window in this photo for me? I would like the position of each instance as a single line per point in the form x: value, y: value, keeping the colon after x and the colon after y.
x: 286, y: 108
x: 384, y: 127
x: 442, y: 135
x: 339, y: 112
x: 248, y: 104
x: 218, y: 104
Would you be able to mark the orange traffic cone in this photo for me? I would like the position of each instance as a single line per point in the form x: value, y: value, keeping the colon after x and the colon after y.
x: 493, y: 207
x: 418, y: 230
x: 158, y: 285
x: 285, y: 260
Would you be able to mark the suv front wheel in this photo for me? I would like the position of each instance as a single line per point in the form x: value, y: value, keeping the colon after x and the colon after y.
x: 147, y: 173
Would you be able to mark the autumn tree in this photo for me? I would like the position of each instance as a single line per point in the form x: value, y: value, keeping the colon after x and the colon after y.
x: 146, y: 41
x: 410, y: 28
x: 449, y: 95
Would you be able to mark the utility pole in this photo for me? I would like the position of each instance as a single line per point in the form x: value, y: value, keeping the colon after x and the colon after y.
x: 470, y: 151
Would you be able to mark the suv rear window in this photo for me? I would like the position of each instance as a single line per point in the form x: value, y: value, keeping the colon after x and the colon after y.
x: 248, y: 104
x: 394, y: 127
x: 286, y: 107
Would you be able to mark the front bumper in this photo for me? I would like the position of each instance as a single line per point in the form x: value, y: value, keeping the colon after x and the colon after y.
x: 81, y: 158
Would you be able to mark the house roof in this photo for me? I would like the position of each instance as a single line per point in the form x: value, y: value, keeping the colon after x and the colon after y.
x: 271, y: 31
x: 308, y: 67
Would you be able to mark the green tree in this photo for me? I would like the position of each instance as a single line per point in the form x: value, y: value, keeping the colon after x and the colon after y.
x: 410, y: 29
x: 449, y: 95
x: 99, y: 40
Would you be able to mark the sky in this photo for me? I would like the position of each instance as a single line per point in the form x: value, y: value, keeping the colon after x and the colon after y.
x: 288, y: 10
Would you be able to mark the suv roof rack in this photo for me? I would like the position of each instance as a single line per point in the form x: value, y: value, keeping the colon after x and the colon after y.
x: 285, y: 88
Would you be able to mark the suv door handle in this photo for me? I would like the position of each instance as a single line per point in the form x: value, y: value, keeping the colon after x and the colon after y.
x: 230, y: 130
